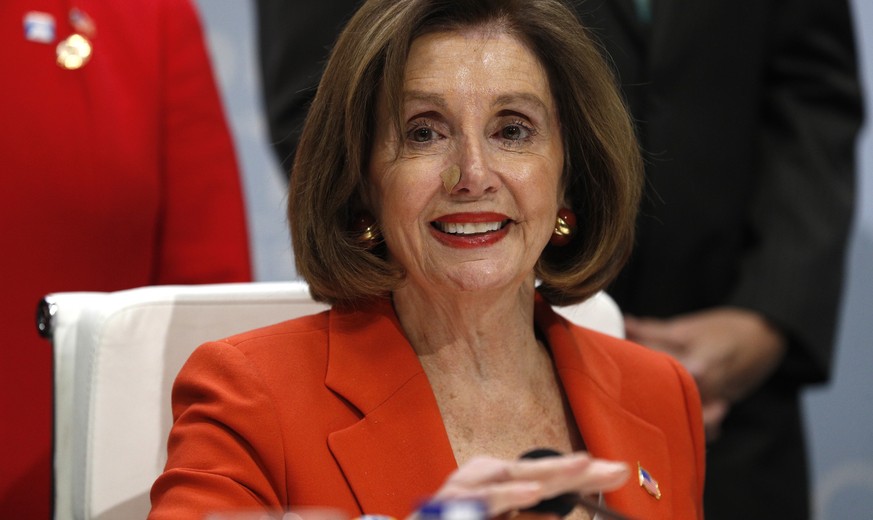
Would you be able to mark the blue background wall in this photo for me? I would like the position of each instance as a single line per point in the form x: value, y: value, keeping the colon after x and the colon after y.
x: 839, y: 416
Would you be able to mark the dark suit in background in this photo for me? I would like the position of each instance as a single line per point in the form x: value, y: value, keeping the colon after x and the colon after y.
x: 747, y: 111
x: 294, y: 40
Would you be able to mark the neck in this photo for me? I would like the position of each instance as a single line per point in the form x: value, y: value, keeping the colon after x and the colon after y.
x: 472, y: 334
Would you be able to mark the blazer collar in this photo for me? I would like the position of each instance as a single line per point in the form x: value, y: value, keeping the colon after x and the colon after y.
x: 399, y: 452
x: 593, y: 384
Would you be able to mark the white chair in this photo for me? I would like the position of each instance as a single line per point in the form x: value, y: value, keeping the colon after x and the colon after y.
x: 116, y: 357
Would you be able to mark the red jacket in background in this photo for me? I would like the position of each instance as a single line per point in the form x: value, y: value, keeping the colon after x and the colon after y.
x: 115, y: 175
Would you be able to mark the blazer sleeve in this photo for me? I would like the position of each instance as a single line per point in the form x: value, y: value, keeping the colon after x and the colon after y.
x: 202, y: 236
x: 225, y: 448
x: 801, y: 215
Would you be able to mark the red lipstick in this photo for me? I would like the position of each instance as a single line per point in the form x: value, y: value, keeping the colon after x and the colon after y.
x: 471, y: 240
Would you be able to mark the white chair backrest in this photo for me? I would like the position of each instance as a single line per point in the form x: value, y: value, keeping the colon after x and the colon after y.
x: 116, y: 357
x: 600, y: 313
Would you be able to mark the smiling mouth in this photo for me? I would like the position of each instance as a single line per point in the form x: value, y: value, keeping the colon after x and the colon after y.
x: 469, y: 228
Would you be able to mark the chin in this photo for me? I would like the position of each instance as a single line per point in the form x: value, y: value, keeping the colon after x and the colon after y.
x: 484, y: 280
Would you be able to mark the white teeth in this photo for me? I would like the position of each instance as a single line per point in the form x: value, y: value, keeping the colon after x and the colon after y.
x: 468, y: 228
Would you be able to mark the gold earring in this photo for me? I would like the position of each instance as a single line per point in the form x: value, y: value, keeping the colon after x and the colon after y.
x: 565, y: 226
x: 365, y: 229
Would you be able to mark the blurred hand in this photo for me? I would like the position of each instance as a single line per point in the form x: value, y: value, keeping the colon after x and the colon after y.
x: 508, y: 485
x: 730, y: 352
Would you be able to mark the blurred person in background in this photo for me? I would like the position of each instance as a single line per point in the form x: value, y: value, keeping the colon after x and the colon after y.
x: 119, y: 172
x: 748, y: 114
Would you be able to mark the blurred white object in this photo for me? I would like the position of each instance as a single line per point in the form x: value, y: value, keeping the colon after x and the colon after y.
x: 600, y: 313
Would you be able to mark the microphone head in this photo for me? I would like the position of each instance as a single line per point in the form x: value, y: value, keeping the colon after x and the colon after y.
x: 560, y: 505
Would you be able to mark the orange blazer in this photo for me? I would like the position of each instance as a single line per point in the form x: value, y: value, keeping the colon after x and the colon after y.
x: 334, y: 409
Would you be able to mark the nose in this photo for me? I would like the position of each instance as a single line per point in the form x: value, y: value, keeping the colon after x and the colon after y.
x: 478, y: 176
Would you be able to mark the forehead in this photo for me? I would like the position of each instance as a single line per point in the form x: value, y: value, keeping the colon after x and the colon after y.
x: 479, y: 60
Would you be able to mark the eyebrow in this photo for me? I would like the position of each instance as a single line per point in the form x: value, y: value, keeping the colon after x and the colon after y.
x: 419, y: 95
x: 507, y: 99
x: 503, y: 99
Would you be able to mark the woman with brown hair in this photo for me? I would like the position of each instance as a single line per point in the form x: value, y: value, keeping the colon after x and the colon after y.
x: 455, y: 153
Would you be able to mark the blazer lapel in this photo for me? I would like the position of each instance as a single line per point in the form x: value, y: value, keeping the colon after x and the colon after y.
x: 626, y: 11
x: 610, y: 431
x: 666, y: 35
x: 625, y: 14
x: 655, y: 38
x: 398, y: 453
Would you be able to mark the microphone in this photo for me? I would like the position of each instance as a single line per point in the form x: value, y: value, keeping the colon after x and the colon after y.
x: 562, y: 505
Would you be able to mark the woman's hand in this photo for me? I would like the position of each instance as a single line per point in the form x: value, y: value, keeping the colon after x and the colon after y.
x: 507, y: 485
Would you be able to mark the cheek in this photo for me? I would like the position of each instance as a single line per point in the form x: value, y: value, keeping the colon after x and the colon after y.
x: 399, y: 201
x: 385, y: 182
x: 540, y: 186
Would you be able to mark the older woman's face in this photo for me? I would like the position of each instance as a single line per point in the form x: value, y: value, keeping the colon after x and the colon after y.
x: 480, y: 102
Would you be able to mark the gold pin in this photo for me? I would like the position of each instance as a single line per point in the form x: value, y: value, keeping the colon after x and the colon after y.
x: 451, y: 177
x: 647, y: 482
x: 74, y: 52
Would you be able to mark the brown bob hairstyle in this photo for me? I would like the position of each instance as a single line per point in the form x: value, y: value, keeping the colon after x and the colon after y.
x: 602, y: 167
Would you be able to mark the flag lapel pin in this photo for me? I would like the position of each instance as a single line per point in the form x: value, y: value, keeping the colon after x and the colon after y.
x: 647, y: 482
